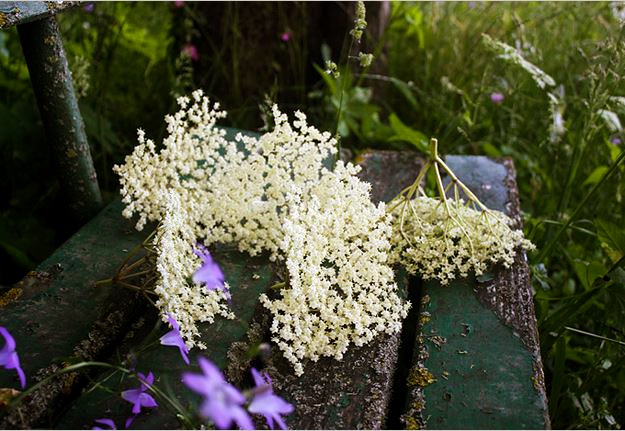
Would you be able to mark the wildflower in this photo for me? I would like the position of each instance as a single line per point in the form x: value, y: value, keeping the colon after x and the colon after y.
x: 222, y: 402
x: 332, y: 69
x: 108, y: 422
x: 286, y: 36
x: 359, y: 23
x: 89, y: 7
x: 8, y: 356
x: 615, y: 140
x: 496, y: 98
x: 210, y: 274
x: 365, y: 59
x: 191, y: 51
x: 179, y: 3
x: 138, y: 397
x: 173, y: 338
x: 266, y: 403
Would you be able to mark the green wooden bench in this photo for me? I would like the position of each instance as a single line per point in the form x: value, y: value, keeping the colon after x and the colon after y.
x: 467, y: 357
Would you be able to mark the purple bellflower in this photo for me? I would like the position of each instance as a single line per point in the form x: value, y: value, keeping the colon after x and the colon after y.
x: 8, y: 356
x: 107, y: 422
x: 266, y: 403
x: 173, y: 338
x: 210, y: 274
x: 138, y: 397
x: 222, y: 402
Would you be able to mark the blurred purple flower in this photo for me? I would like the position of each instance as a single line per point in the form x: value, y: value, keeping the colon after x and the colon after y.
x: 173, y: 338
x: 108, y: 422
x: 286, y: 36
x: 209, y: 273
x: 138, y: 397
x: 191, y: 51
x: 179, y: 3
x: 222, y: 402
x: 496, y: 98
x: 266, y: 403
x: 471, y: 4
x: 8, y: 356
x: 89, y: 7
x: 616, y: 140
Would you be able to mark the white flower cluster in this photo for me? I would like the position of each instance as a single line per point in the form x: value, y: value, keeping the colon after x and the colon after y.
x: 341, y: 289
x: 272, y: 194
x: 175, y: 261
x: 443, y: 243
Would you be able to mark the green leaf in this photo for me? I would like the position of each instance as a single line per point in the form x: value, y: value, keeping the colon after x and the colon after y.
x: 596, y: 175
x: 588, y: 272
x: 407, y: 134
x: 612, y: 238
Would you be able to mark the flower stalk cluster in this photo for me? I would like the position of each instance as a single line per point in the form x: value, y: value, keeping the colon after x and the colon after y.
x: 443, y: 238
x: 269, y: 194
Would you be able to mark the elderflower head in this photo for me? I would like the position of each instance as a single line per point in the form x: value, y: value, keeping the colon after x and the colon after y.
x: 440, y: 243
x: 267, y: 194
x: 341, y: 288
x: 180, y: 298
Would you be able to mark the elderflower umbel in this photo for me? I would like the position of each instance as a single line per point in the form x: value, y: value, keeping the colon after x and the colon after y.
x: 274, y: 196
x: 435, y: 243
x: 341, y: 288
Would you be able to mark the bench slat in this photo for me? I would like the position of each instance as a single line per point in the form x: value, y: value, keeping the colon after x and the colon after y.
x: 479, y: 340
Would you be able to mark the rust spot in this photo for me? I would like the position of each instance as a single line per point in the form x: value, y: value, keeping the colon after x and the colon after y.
x: 420, y: 376
x: 10, y: 296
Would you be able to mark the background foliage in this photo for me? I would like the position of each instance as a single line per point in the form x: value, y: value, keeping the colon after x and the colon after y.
x: 434, y: 75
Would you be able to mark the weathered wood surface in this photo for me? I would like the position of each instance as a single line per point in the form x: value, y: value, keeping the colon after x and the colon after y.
x: 65, y: 131
x: 479, y: 340
x: 20, y: 12
x: 56, y: 313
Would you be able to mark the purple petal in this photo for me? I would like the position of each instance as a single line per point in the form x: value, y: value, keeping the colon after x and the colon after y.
x: 209, y: 273
x: 197, y: 383
x: 146, y: 382
x: 242, y: 419
x: 21, y: 375
x: 258, y: 379
x: 147, y: 400
x: 173, y: 322
x: 132, y: 396
x: 108, y: 422
x: 129, y: 421
x: 210, y: 370
x: 8, y: 339
x: 173, y: 338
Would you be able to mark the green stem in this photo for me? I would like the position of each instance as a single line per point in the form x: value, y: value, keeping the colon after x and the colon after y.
x: 69, y: 369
